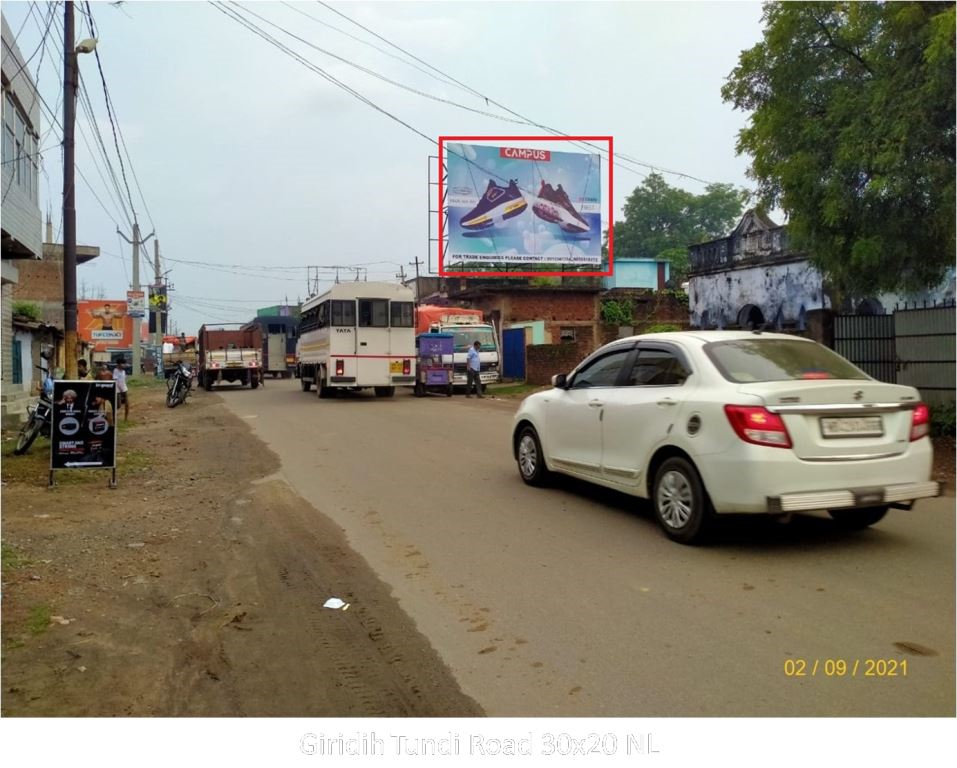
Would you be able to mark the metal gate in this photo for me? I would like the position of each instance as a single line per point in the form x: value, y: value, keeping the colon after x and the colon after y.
x: 513, y: 353
x: 926, y: 350
x: 868, y: 342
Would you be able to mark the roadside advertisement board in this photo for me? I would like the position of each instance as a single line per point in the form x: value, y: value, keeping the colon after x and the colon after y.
x: 518, y: 205
x: 106, y: 324
x: 136, y: 303
x: 84, y: 426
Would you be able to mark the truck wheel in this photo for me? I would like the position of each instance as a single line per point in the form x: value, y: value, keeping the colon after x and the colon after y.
x: 253, y: 382
x: 208, y: 383
x: 304, y: 384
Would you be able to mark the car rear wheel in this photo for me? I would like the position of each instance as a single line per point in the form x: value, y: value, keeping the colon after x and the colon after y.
x: 531, y: 462
x: 855, y: 519
x: 681, y: 505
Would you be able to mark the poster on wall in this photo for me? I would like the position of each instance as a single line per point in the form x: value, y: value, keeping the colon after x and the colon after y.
x: 84, y: 425
x: 106, y: 324
x: 516, y: 205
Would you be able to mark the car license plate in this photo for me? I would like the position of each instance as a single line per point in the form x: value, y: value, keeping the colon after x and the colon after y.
x: 395, y: 366
x: 852, y: 426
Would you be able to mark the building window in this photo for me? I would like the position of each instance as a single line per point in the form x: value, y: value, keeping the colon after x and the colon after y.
x: 567, y: 335
x: 20, y: 147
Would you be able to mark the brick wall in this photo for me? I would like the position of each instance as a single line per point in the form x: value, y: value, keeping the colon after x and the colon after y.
x: 542, y: 361
x: 543, y: 304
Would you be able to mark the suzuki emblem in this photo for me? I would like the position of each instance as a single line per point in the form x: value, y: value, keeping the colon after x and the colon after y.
x: 859, y: 394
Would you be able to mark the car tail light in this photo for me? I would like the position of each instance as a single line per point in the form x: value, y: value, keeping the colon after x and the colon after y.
x: 406, y: 367
x: 920, y: 422
x: 758, y: 425
x: 340, y: 367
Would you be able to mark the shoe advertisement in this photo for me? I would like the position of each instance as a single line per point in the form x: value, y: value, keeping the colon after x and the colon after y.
x: 522, y: 206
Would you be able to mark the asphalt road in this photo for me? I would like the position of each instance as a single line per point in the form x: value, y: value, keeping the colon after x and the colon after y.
x: 570, y: 601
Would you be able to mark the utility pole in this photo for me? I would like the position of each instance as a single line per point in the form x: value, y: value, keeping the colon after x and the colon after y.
x: 416, y: 265
x: 69, y: 191
x: 136, y: 243
x: 70, y: 87
x: 158, y: 313
x: 401, y: 274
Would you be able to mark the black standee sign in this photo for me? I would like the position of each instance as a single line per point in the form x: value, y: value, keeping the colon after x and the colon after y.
x: 84, y: 426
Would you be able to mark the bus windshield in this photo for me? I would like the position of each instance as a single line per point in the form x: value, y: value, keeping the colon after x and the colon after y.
x: 465, y: 337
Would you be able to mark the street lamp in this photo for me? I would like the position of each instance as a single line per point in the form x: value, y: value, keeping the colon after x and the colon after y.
x: 70, y: 88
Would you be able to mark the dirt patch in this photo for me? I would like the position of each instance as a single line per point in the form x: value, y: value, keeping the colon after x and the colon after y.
x: 196, y: 587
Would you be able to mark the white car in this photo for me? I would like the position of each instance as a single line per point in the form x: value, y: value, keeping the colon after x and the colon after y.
x: 711, y: 422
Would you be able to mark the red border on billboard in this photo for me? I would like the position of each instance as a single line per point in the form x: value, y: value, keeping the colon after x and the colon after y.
x: 611, y: 193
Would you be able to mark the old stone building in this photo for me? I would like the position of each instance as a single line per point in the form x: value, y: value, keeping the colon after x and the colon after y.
x: 751, y: 278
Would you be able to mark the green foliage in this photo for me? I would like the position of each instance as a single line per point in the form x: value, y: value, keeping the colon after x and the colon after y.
x: 39, y: 619
x: 662, y: 328
x: 943, y: 419
x: 661, y: 221
x: 617, y: 311
x: 852, y: 134
x: 26, y: 309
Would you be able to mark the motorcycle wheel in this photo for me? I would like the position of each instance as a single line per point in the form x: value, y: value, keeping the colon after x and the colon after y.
x: 28, y: 433
x: 172, y: 397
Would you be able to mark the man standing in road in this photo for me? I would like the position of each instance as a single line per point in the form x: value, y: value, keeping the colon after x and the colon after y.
x: 119, y: 376
x: 474, y: 366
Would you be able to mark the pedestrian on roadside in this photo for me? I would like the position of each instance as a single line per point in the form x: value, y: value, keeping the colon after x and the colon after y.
x: 82, y: 372
x: 473, y: 368
x: 122, y: 395
x: 103, y: 373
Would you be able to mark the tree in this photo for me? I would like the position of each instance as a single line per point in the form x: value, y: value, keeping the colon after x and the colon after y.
x: 661, y: 221
x: 852, y: 135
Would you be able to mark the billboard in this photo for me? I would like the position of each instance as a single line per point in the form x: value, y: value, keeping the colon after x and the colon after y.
x: 106, y: 324
x: 514, y: 205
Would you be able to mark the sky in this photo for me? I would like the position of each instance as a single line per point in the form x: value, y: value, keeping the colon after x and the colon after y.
x: 250, y: 167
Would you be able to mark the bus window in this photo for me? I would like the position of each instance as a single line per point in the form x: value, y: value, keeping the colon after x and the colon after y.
x: 373, y: 313
x: 403, y: 315
x: 343, y: 312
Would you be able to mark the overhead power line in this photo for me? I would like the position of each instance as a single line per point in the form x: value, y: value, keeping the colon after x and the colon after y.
x: 654, y: 167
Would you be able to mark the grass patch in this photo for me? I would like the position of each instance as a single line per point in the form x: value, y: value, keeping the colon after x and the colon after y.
x: 513, y: 390
x: 39, y: 619
x: 145, y: 382
x: 134, y: 461
x: 33, y: 467
x: 11, y: 559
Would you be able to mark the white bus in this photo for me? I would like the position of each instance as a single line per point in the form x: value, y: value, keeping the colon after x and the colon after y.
x: 357, y: 335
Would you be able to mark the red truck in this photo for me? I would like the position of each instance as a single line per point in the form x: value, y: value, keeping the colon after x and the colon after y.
x: 230, y: 352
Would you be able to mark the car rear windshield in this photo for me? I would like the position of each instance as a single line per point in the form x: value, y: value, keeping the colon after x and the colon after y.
x: 744, y: 360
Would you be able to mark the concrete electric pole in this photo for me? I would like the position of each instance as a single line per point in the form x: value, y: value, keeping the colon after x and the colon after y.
x: 70, y: 86
x: 136, y: 243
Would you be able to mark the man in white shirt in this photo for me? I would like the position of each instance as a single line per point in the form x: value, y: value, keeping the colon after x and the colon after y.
x: 119, y: 376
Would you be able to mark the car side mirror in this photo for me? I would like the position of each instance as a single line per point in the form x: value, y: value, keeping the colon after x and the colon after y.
x: 558, y: 381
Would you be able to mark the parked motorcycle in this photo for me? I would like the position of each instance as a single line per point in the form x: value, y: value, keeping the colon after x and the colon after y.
x: 179, y: 385
x: 41, y: 418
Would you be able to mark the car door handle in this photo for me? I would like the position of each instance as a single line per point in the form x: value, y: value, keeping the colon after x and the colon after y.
x: 667, y: 401
x: 595, y: 403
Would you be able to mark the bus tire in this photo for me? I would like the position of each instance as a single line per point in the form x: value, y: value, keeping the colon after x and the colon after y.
x: 305, y: 384
x: 384, y: 391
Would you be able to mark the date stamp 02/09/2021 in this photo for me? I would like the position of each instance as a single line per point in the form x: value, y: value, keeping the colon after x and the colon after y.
x: 879, y: 668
